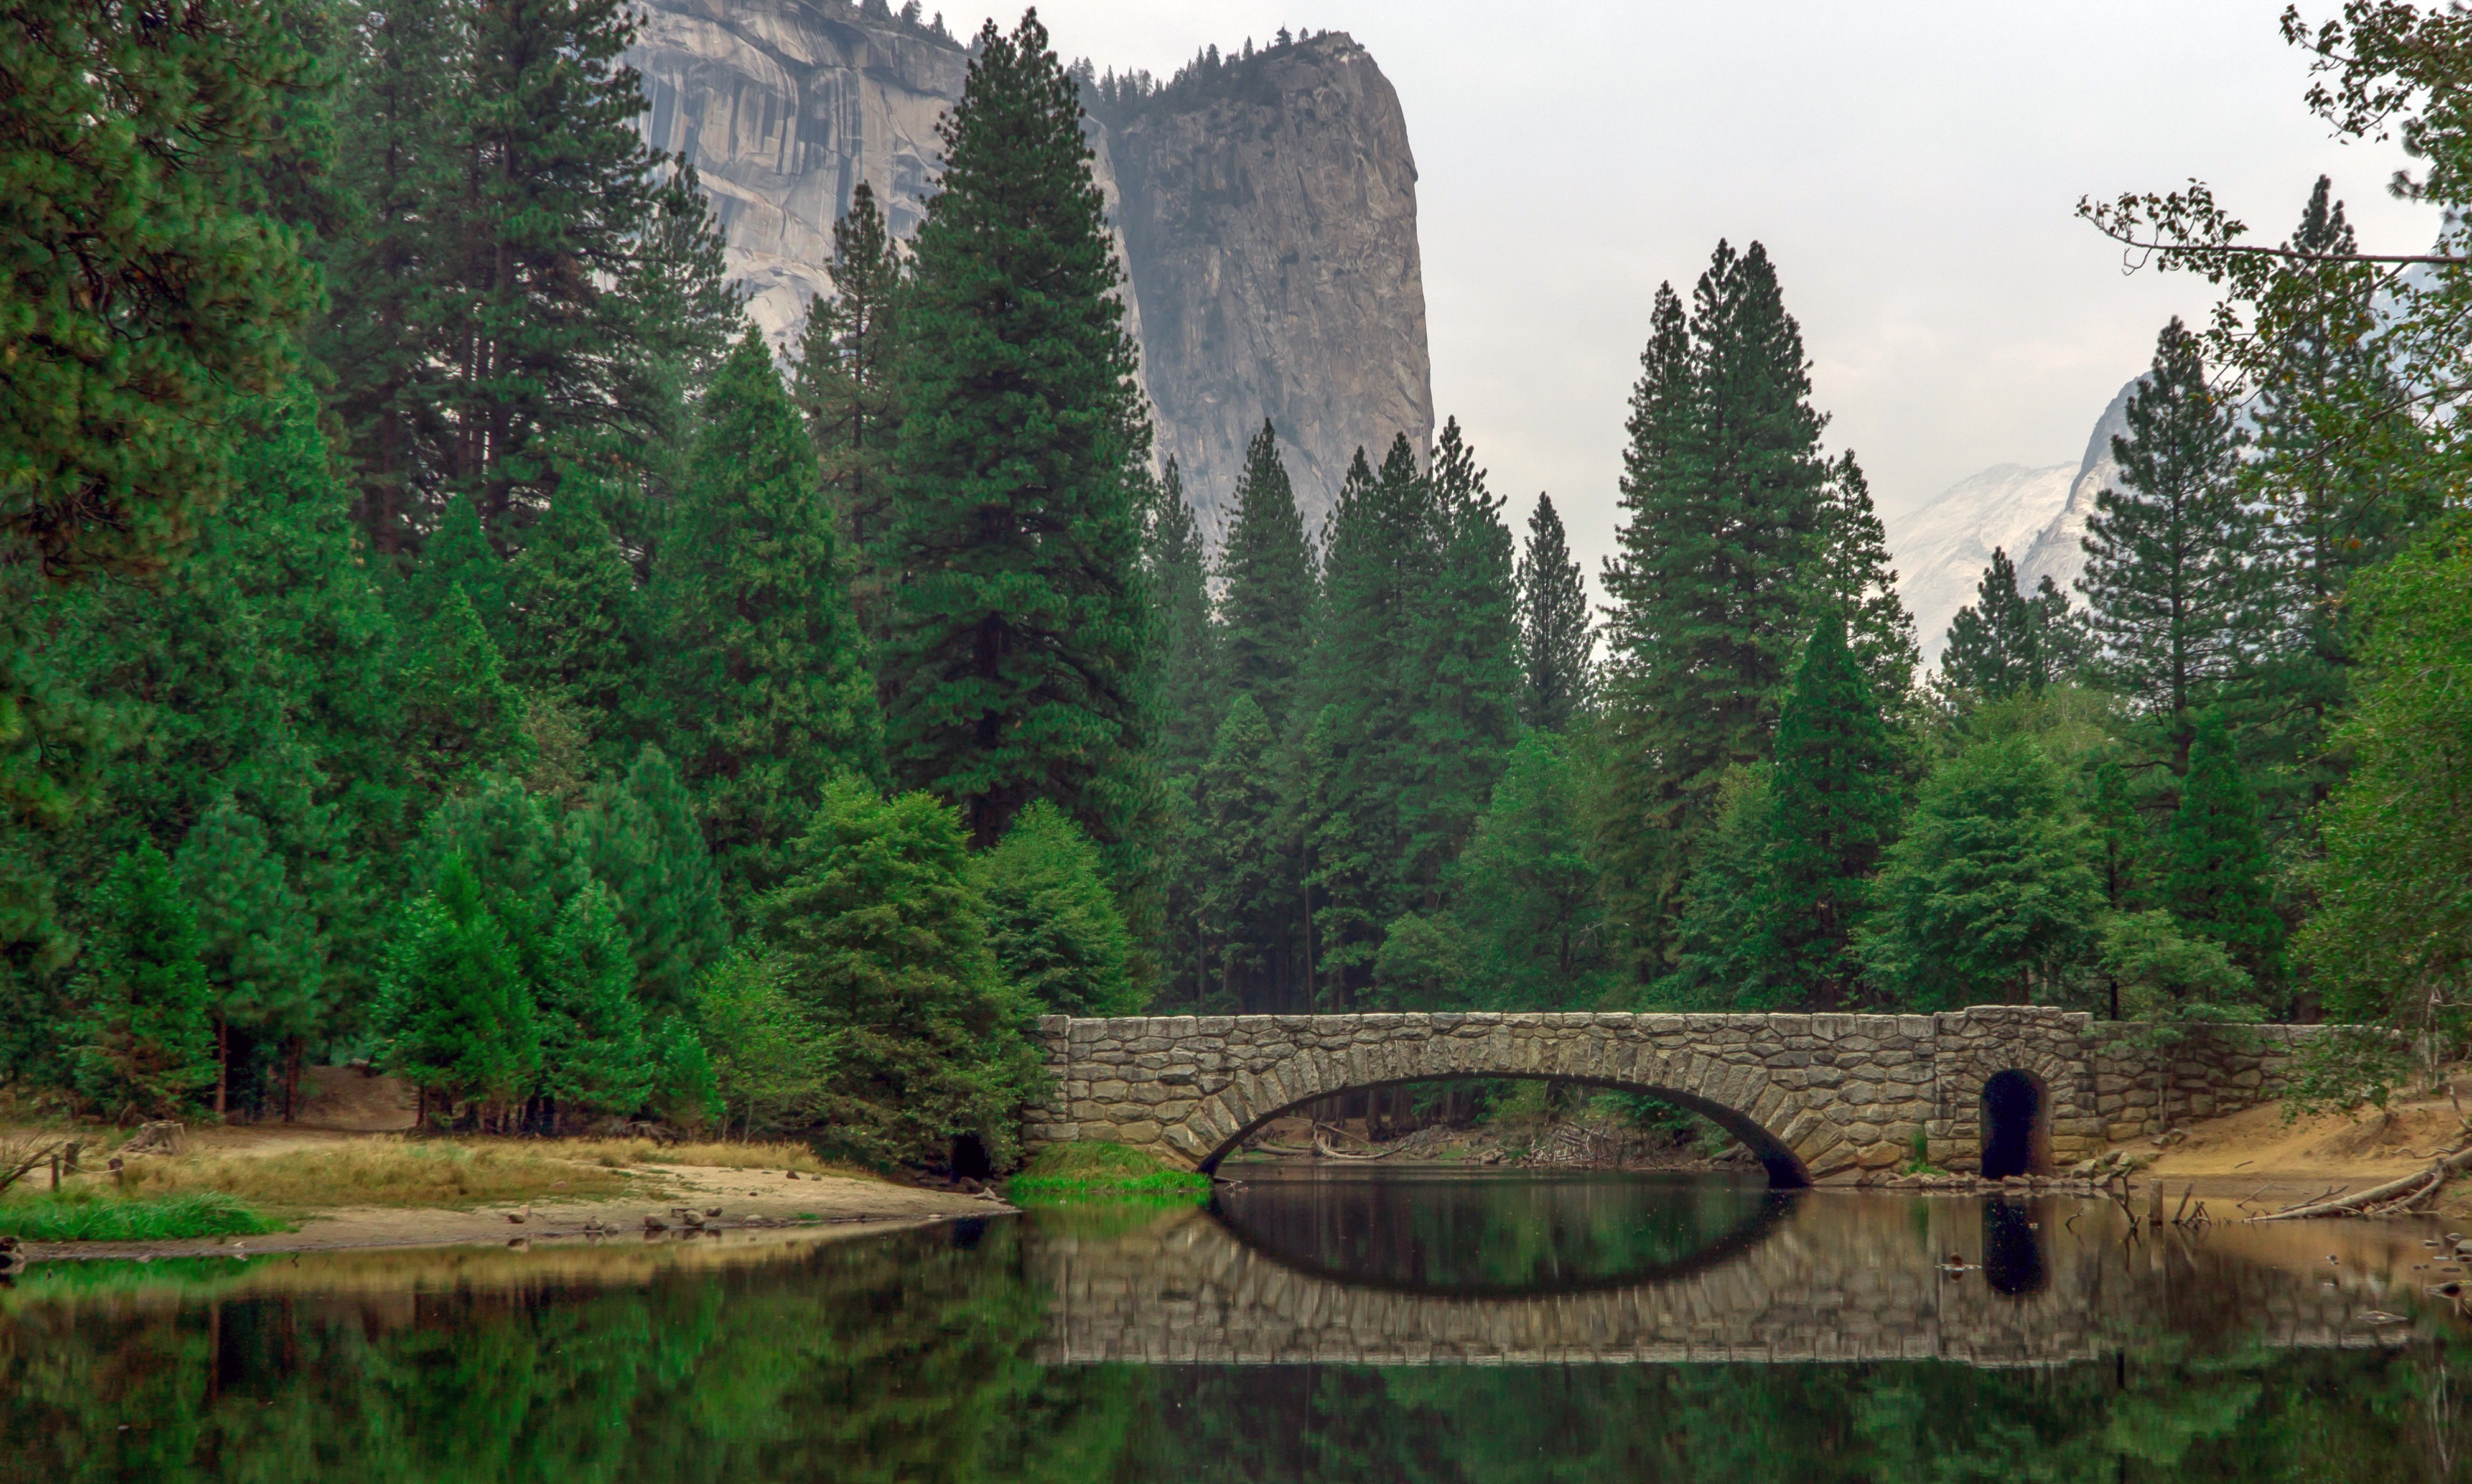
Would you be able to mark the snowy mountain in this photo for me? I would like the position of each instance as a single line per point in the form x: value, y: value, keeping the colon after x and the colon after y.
x: 2038, y: 514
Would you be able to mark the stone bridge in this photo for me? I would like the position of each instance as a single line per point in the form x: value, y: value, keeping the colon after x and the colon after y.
x: 1838, y: 1277
x: 1814, y: 1096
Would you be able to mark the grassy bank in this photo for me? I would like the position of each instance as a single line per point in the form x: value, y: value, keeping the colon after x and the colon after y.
x: 383, y: 1171
x: 1066, y: 1172
x: 89, y: 1216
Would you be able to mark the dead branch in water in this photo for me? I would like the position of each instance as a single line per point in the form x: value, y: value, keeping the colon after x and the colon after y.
x: 2393, y: 1197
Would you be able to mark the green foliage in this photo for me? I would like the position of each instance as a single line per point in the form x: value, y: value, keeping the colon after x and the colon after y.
x: 1018, y: 632
x: 2166, y: 975
x: 458, y: 553
x: 2215, y: 865
x: 2169, y: 575
x: 574, y: 625
x: 640, y: 839
x: 2391, y: 940
x: 1052, y: 920
x: 1424, y: 964
x: 1835, y: 803
x: 1724, y: 494
x: 1527, y: 893
x: 1245, y: 861
x: 2006, y: 641
x: 143, y: 1044
x: 591, y: 1028
x: 1188, y: 689
x: 1987, y: 894
x: 1061, y: 1172
x: 1267, y: 585
x: 461, y: 717
x: 1720, y: 947
x: 454, y: 1009
x: 500, y: 833
x: 686, y: 1085
x: 79, y: 1214
x: 1851, y: 579
x: 257, y: 942
x: 847, y: 387
x: 769, y: 1065
x: 881, y: 940
x: 1555, y: 638
x: 153, y: 280
x: 767, y: 688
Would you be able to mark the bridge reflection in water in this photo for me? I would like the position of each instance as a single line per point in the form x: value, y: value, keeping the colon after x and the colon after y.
x: 1369, y: 1271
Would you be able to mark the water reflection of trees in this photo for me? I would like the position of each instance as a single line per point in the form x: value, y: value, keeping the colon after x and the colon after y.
x: 1480, y: 1235
x: 911, y: 1359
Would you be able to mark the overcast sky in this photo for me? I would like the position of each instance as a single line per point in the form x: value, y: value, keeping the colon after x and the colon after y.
x: 1912, y: 167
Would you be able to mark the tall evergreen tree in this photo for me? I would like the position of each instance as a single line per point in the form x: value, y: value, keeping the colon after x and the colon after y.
x: 575, y: 620
x: 499, y: 832
x: 770, y: 694
x: 1555, y: 639
x: 1852, y: 578
x: 1725, y: 494
x: 2216, y: 870
x: 1462, y: 682
x: 458, y: 553
x: 1265, y: 574
x: 461, y: 717
x: 1052, y: 921
x: 882, y: 941
x: 2169, y: 572
x: 257, y: 940
x: 593, y: 1054
x: 640, y: 839
x: 1189, y: 691
x: 143, y: 1042
x: 1527, y: 893
x: 1250, y: 891
x: 846, y: 387
x: 455, y: 1007
x: 1837, y: 802
x: 1015, y: 647
x: 1995, y: 646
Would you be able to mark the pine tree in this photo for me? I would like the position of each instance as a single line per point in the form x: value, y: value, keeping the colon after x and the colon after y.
x: 2217, y: 873
x: 1249, y: 894
x: 1016, y: 648
x: 1555, y: 639
x: 1837, y: 802
x: 575, y: 626
x: 461, y: 717
x: 454, y: 1008
x: 2006, y: 641
x: 1527, y: 894
x: 1988, y: 892
x: 1462, y: 682
x: 458, y: 553
x: 2168, y: 556
x: 770, y: 694
x: 1265, y: 574
x: 257, y: 942
x: 1722, y: 937
x: 144, y: 1045
x: 498, y: 833
x: 1362, y: 758
x: 1725, y: 495
x: 846, y: 387
x: 1052, y: 920
x: 881, y: 940
x: 640, y: 838
x: 1189, y: 688
x: 1853, y: 579
x: 593, y: 1054
x: 153, y: 281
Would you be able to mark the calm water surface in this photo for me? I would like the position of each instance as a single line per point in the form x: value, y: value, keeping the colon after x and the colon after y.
x: 1352, y: 1326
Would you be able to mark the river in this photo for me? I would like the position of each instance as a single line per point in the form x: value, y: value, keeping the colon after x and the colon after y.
x: 1309, y: 1326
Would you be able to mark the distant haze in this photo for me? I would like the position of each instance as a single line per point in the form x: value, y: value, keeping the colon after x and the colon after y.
x: 1912, y: 168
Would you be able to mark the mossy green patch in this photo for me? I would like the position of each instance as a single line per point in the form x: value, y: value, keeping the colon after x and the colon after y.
x: 85, y: 1216
x: 1063, y: 1173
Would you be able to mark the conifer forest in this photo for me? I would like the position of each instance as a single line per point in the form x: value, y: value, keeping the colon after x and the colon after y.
x: 439, y: 630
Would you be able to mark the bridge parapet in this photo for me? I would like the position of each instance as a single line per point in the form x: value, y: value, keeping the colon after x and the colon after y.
x: 1815, y: 1096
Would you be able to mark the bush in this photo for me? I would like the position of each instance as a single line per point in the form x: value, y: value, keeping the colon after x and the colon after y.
x: 1064, y: 1172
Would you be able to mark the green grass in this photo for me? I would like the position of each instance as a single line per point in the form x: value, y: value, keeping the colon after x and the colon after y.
x: 1074, y: 1172
x: 85, y: 1216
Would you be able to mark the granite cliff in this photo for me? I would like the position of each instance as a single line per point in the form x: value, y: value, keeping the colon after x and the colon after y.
x: 1265, y: 208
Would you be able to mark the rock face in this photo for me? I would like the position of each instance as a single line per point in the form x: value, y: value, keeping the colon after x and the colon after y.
x: 1271, y: 218
x: 1266, y: 212
x: 2058, y: 552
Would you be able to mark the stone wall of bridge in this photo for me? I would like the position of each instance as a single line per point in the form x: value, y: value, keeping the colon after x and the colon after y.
x: 1858, y: 1285
x: 1815, y: 1096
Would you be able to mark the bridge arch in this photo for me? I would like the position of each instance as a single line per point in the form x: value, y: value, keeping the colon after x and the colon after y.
x: 1785, y: 1169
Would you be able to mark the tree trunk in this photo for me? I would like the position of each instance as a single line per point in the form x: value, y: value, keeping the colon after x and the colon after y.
x: 223, y: 1065
x: 291, y: 1078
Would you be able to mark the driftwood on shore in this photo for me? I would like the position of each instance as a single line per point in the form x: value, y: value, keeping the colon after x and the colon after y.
x: 2392, y: 1198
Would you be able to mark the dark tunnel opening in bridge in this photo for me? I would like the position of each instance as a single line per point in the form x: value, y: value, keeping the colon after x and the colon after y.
x: 1785, y: 1169
x: 2016, y: 1126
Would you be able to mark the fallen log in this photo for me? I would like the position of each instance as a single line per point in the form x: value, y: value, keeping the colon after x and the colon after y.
x: 2394, y: 1194
x: 1324, y: 1147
